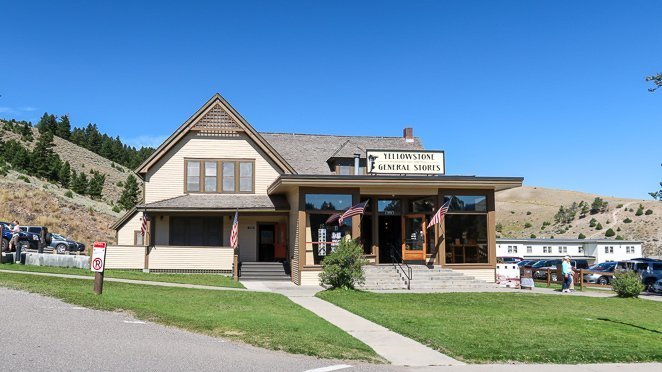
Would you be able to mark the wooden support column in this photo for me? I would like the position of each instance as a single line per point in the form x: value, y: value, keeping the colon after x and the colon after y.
x: 375, y: 228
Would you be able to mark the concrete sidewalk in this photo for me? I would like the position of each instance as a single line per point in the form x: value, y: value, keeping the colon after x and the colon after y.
x: 129, y: 281
x: 397, y: 349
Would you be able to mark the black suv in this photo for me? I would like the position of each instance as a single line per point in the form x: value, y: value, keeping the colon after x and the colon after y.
x: 649, y: 270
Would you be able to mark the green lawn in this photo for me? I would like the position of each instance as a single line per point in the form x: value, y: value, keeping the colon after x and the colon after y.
x: 215, y: 280
x: 266, y: 320
x: 502, y: 327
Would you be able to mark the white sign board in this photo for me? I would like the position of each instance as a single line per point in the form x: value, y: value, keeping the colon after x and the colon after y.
x: 321, y: 248
x: 406, y: 162
x: 98, y: 257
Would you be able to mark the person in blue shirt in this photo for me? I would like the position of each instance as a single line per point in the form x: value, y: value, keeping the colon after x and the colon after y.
x: 566, y: 271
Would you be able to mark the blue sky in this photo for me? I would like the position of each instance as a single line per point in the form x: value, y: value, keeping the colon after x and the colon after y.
x: 553, y: 91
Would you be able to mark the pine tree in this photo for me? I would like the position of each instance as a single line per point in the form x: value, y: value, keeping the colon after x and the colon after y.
x: 63, y: 127
x: 79, y: 183
x: 129, y: 197
x: 95, y: 186
x: 65, y: 175
x: 42, y: 155
x: 47, y: 123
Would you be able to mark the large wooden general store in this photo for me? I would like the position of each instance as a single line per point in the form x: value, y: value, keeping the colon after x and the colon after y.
x: 285, y: 186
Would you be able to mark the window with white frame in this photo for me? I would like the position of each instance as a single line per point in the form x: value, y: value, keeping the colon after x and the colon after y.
x: 529, y: 249
x: 546, y: 249
x: 563, y: 249
x: 609, y: 250
x: 580, y: 249
x: 512, y: 249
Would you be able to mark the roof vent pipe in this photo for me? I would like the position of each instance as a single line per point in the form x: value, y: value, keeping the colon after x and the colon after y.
x: 356, y: 164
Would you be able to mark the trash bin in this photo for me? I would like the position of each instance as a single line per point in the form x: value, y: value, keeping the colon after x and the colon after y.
x: 526, y: 278
x: 7, y: 258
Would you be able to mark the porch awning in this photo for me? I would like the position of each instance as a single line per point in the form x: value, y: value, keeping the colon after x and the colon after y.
x: 219, y: 203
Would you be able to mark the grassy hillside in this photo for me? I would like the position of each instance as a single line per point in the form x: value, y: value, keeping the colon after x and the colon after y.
x: 83, y: 160
x: 537, y: 205
x: 42, y: 203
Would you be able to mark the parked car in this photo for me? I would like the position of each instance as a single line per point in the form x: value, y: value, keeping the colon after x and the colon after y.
x: 554, y: 265
x: 524, y: 263
x: 27, y: 240
x: 649, y: 270
x: 61, y: 244
x: 598, y: 276
x: 509, y: 259
x: 657, y: 286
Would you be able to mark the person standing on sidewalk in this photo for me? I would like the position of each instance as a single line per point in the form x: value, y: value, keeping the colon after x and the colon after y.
x: 566, y: 271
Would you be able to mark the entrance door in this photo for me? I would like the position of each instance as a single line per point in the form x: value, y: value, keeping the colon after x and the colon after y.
x: 266, y: 234
x: 390, y: 238
x: 414, y: 238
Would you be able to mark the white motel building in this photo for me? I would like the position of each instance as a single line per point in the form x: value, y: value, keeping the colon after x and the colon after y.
x: 593, y: 250
x: 285, y: 186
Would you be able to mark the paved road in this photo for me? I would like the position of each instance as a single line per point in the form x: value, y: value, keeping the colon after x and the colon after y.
x: 39, y: 338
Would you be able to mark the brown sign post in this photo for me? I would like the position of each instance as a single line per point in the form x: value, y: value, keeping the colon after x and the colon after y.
x: 97, y: 265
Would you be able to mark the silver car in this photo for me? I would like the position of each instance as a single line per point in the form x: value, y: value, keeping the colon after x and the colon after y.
x: 61, y: 244
x: 597, y: 276
x: 657, y: 286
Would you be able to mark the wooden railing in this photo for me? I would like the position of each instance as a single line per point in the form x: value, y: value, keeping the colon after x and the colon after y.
x: 577, y: 275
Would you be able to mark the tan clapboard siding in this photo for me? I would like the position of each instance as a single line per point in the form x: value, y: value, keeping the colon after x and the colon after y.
x: 166, y: 179
x: 121, y: 257
x: 190, y: 258
x: 293, y: 237
x: 480, y: 274
x: 310, y: 277
x: 125, y: 234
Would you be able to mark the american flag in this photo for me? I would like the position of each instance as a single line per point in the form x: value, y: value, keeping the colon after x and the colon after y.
x: 143, y: 225
x: 440, y: 214
x: 234, y: 235
x: 353, y: 211
x: 333, y: 218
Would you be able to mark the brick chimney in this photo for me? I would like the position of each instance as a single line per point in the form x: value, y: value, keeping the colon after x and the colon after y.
x: 408, y: 134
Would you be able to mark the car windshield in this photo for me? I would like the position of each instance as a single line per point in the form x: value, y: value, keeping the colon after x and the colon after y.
x: 59, y: 237
x: 539, y: 263
x: 602, y: 266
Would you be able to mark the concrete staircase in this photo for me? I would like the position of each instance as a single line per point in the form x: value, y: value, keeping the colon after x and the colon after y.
x: 388, y: 277
x: 268, y: 271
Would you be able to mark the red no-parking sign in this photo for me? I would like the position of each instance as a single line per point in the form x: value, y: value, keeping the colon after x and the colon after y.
x: 98, y: 257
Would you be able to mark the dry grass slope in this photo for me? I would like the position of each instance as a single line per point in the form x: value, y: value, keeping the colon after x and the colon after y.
x: 85, y: 160
x: 42, y: 203
x: 513, y: 205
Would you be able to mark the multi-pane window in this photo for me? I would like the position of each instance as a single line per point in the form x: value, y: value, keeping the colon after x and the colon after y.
x: 193, y: 176
x: 563, y: 249
x: 580, y: 249
x: 219, y: 176
x: 529, y: 249
x: 228, y: 176
x: 245, y: 176
x: 211, y: 178
x: 546, y: 249
x: 629, y: 249
x: 609, y: 249
x: 512, y: 249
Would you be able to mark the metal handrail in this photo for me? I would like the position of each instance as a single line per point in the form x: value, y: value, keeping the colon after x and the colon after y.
x: 397, y: 261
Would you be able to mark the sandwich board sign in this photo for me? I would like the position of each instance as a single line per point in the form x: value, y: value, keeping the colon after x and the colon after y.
x: 98, y: 257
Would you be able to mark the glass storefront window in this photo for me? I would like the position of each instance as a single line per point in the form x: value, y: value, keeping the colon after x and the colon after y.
x: 328, y: 202
x: 466, y: 238
x: 389, y: 206
x: 325, y: 237
x: 467, y: 203
x: 422, y: 205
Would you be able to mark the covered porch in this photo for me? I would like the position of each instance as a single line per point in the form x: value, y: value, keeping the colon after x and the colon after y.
x: 191, y: 233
